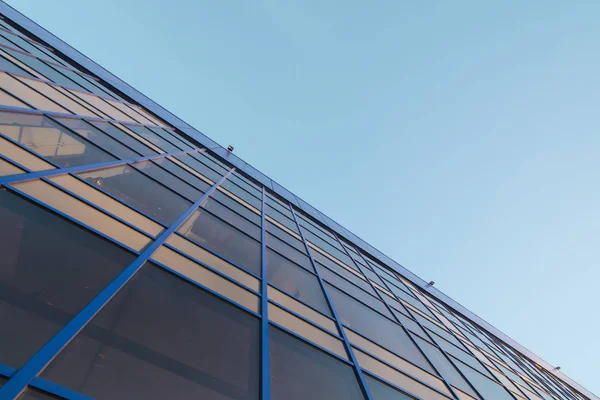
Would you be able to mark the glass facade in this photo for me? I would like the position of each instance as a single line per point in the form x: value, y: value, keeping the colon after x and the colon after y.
x: 141, y: 260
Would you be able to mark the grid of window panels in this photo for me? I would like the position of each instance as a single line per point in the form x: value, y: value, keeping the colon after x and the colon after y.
x: 137, y: 264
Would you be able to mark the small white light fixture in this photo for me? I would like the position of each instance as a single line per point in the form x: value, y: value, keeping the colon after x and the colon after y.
x: 230, y: 148
x: 431, y: 283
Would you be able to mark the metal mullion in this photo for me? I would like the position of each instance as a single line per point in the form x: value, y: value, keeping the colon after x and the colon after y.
x: 389, y: 308
x: 357, y: 369
x: 265, y: 363
x: 36, y: 364
x: 80, y: 168
x: 57, y: 390
x: 26, y: 38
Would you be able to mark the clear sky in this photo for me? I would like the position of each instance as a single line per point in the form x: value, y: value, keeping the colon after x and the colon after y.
x: 461, y: 138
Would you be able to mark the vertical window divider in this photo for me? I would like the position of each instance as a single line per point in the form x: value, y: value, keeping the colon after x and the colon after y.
x: 389, y: 308
x: 357, y: 370
x: 18, y: 383
x: 265, y: 362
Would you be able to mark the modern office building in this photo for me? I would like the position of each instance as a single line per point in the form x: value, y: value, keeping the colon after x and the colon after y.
x: 141, y: 260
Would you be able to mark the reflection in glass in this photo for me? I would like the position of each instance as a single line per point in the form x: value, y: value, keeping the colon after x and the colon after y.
x: 161, y: 337
x: 381, y: 391
x: 139, y: 191
x: 50, y: 140
x: 300, y: 372
x: 49, y: 270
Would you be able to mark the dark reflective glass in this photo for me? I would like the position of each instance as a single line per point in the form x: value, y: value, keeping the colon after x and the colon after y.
x: 50, y: 140
x: 236, y: 206
x: 169, y: 180
x: 161, y: 337
x: 409, y: 323
x: 402, y: 295
x: 49, y: 270
x: 123, y: 137
x: 220, y: 237
x: 460, y: 355
x: 486, y: 387
x: 168, y: 135
x: 199, y: 167
x: 211, y: 162
x: 373, y: 277
x: 339, y: 254
x: 233, y: 218
x: 300, y: 372
x: 286, y: 237
x: 2, y: 381
x: 32, y: 394
x: 444, y: 367
x: 98, y: 137
x: 283, y: 220
x: 153, y: 138
x: 348, y: 275
x: 231, y: 186
x: 279, y: 206
x: 353, y: 291
x: 290, y: 252
x: 435, y: 328
x: 381, y: 391
x: 139, y: 191
x: 183, y: 174
x: 295, y: 281
x: 375, y: 327
x: 246, y: 185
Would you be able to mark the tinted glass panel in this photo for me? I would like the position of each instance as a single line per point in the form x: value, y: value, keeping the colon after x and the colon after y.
x: 236, y: 206
x: 154, y: 138
x: 348, y: 275
x: 50, y: 140
x: 290, y: 252
x: 35, y: 395
x: 8, y: 66
x: 49, y: 270
x: 375, y: 327
x: 441, y: 363
x: 233, y: 218
x: 486, y: 387
x: 139, y: 191
x: 123, y: 137
x: 286, y: 237
x: 199, y: 167
x: 210, y: 162
x: 161, y: 337
x: 225, y: 240
x: 300, y: 372
x: 98, y: 137
x: 459, y: 354
x: 169, y: 180
x: 295, y: 281
x: 182, y: 174
x: 381, y: 391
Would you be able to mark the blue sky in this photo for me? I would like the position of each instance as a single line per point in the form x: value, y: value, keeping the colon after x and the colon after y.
x: 460, y: 138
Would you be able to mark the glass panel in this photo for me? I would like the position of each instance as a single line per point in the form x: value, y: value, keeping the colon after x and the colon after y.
x: 290, y: 252
x: 231, y: 186
x: 486, y: 387
x: 376, y: 327
x: 435, y: 328
x: 443, y: 366
x: 300, y: 371
x: 169, y: 180
x: 161, y: 337
x: 49, y: 270
x: 154, y: 138
x: 381, y: 391
x: 461, y: 355
x: 295, y: 281
x: 286, y: 237
x: 199, y: 167
x: 348, y: 275
x: 235, y: 206
x: 8, y: 66
x: 27, y: 94
x: 98, y: 137
x: 233, y: 218
x: 32, y: 394
x: 51, y: 140
x: 139, y: 191
x: 211, y: 163
x: 123, y: 137
x: 225, y: 240
x: 183, y: 174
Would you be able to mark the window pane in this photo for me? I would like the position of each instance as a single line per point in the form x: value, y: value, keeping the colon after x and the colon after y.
x: 199, y: 167
x: 139, y: 191
x: 286, y: 237
x: 8, y: 66
x: 381, y: 391
x: 347, y: 275
x: 98, y: 137
x: 35, y: 395
x: 290, y: 252
x: 153, y: 138
x: 161, y: 337
x: 224, y: 240
x: 441, y: 363
x: 169, y: 180
x: 233, y: 218
x: 295, y: 281
x: 236, y: 206
x: 183, y: 174
x: 300, y: 372
x: 486, y: 387
x: 50, y: 140
x: 49, y: 270
x: 123, y: 137
x: 376, y: 327
x: 461, y: 355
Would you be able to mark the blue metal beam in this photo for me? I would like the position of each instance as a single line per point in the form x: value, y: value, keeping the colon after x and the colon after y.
x: 265, y: 376
x: 36, y: 364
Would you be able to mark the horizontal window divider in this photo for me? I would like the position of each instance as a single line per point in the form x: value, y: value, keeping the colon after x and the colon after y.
x: 6, y: 370
x: 402, y: 371
x: 201, y: 286
x: 100, y: 189
x: 3, y: 29
x: 230, y: 224
x: 393, y: 385
x: 61, y: 391
x: 300, y: 316
x: 288, y: 259
x: 97, y: 207
x: 310, y: 342
x: 70, y: 170
x: 209, y: 267
x: 235, y: 212
x: 65, y: 115
x: 214, y: 253
x: 36, y: 364
x: 69, y: 218
x: 346, y: 280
